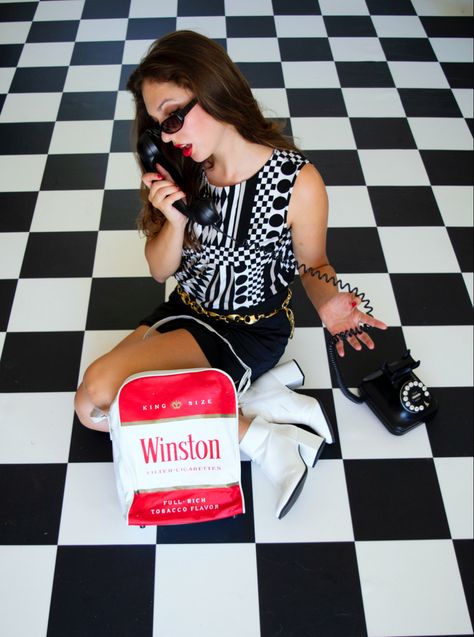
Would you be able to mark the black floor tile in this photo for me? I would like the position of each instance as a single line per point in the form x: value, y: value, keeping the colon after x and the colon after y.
x: 120, y: 303
x: 87, y: 53
x: 40, y: 361
x: 314, y: 102
x: 408, y: 50
x: 338, y: 167
x: 364, y: 74
x: 149, y: 28
x: 250, y: 27
x: 448, y: 167
x: 26, y: 138
x: 55, y: 31
x: 404, y: 206
x: 59, y: 254
x: 102, y: 590
x: 31, y: 505
x: 382, y: 132
x: 228, y: 530
x: 450, y: 431
x: 304, y: 49
x: 355, y: 250
x: 309, y: 589
x: 120, y: 209
x: 7, y: 294
x: 429, y: 102
x: 75, y: 172
x: 418, y: 299
x: 16, y: 211
x: 88, y: 105
x: 395, y: 500
x: 41, y: 80
x: 462, y: 241
x: 354, y: 26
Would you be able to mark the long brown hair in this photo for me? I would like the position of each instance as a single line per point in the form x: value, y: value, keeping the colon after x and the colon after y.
x: 200, y: 65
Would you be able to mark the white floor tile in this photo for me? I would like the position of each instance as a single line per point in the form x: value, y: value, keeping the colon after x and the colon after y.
x: 219, y: 584
x: 363, y: 436
x: 67, y: 211
x: 147, y: 9
x: 13, y: 169
x: 125, y: 106
x: 65, y: 10
x: 102, y: 30
x: 35, y: 428
x: 309, y: 349
x: 91, y: 512
x: 445, y: 354
x: 86, y: 78
x: 31, y: 107
x: 455, y: 477
x: 248, y: 7
x: 439, y: 8
x: 120, y: 253
x: 456, y: 204
x: 343, y: 7
x: 46, y: 54
x: 135, y: 50
x: 50, y: 305
x: 378, y: 290
x: 6, y: 77
x: 430, y: 601
x: 321, y: 513
x: 464, y: 98
x: 373, y: 102
x: 349, y: 207
x: 440, y: 133
x: 25, y: 589
x: 393, y: 167
x: 318, y: 133
x: 418, y: 75
x: 81, y: 137
x: 453, y: 49
x: 14, y: 32
x: 12, y: 249
x: 122, y: 172
x: 310, y: 75
x: 418, y: 249
x: 253, y: 49
x: 357, y: 49
x: 210, y: 26
x: 97, y: 343
x: 300, y: 26
x: 273, y: 101
x: 398, y: 26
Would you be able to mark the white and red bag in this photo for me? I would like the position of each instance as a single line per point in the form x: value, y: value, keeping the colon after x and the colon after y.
x: 175, y: 446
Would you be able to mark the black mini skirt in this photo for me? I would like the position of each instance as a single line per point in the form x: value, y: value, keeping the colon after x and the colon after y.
x: 230, y: 346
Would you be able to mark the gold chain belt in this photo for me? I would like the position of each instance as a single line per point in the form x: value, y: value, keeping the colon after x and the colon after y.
x: 248, y: 319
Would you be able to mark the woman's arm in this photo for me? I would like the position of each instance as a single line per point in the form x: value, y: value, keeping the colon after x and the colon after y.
x: 307, y: 218
x: 163, y: 251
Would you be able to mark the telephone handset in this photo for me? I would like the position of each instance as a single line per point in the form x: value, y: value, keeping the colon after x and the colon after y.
x: 202, y: 211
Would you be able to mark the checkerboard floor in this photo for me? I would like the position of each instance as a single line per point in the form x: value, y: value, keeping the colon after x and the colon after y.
x: 379, y: 95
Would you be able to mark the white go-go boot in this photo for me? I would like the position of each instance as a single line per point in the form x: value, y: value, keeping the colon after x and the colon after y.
x: 284, y: 454
x: 270, y: 397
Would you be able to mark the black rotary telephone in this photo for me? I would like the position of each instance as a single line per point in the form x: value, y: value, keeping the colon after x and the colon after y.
x: 203, y: 210
x: 399, y: 399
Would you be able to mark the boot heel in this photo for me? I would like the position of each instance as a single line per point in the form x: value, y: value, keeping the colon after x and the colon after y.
x: 289, y: 374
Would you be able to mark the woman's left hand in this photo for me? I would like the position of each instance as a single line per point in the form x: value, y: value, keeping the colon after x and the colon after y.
x: 341, y: 314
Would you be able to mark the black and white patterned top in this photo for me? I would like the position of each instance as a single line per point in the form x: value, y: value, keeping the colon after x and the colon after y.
x: 247, y: 268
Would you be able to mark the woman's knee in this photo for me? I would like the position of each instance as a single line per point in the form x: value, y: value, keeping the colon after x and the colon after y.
x: 99, y: 385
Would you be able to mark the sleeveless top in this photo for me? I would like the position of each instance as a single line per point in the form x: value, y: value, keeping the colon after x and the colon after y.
x: 255, y: 261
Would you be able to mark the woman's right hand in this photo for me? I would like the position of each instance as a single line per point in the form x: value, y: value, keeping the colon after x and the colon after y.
x: 163, y: 192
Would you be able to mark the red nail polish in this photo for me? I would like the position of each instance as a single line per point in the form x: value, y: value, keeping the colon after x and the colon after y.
x: 353, y: 303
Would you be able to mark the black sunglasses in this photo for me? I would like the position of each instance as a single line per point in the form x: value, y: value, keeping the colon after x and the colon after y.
x: 175, y: 121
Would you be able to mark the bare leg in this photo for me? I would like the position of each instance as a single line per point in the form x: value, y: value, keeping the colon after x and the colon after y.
x: 102, y: 379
